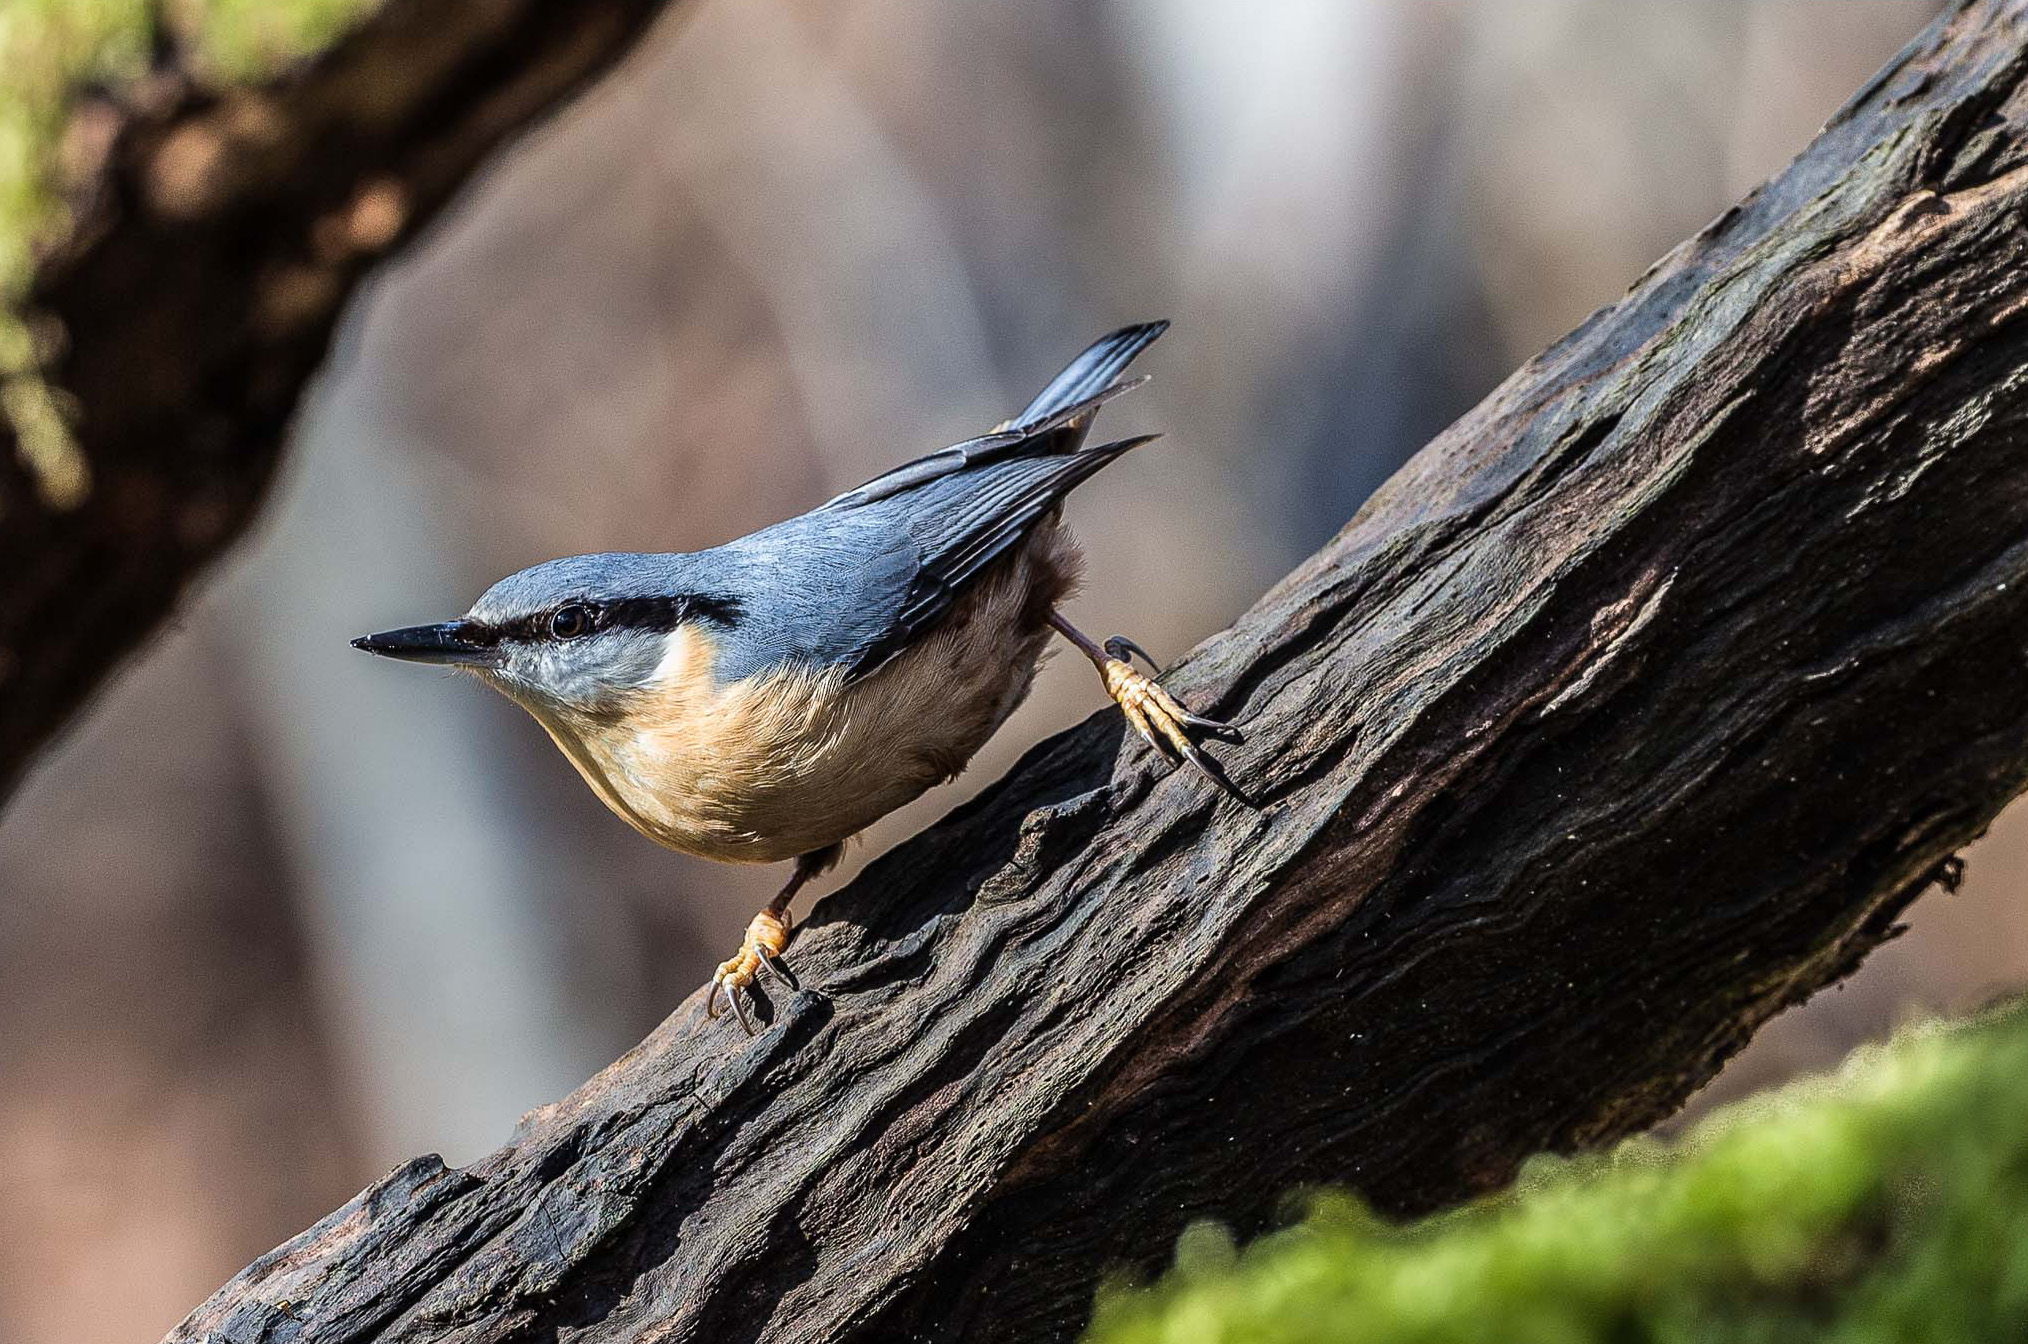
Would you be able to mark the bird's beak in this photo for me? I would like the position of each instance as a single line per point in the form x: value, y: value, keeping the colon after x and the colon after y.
x: 453, y: 642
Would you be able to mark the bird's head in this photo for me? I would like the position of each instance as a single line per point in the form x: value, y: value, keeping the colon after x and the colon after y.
x: 578, y: 637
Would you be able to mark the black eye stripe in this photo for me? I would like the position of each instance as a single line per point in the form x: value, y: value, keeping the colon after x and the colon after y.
x: 666, y: 613
x: 654, y: 614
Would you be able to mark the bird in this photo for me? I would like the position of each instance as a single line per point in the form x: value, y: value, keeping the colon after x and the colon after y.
x: 768, y: 699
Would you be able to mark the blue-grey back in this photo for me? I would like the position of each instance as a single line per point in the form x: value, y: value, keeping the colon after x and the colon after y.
x: 859, y: 578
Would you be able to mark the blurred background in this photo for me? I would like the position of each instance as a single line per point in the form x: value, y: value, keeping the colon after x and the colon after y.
x: 274, y: 917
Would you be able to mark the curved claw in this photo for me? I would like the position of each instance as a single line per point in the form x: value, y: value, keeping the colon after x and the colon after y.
x: 779, y: 969
x: 1216, y: 727
x: 1119, y: 646
x: 728, y: 983
x: 1195, y: 755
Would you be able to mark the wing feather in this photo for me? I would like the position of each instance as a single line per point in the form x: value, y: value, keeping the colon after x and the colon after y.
x: 958, y: 537
x: 881, y: 564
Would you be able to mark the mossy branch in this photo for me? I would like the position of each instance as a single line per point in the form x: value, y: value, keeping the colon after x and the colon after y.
x: 1887, y: 1201
x: 174, y: 253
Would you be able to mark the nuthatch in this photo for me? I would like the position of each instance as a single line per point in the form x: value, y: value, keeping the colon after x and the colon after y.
x: 771, y: 697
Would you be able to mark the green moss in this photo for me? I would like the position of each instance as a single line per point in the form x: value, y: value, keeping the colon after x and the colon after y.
x: 48, y: 48
x: 1887, y: 1202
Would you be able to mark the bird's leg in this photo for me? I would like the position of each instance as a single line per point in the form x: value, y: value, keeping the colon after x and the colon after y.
x: 1156, y: 715
x: 766, y: 936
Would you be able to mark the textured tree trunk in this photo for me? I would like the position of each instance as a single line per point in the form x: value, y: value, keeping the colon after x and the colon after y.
x: 187, y: 308
x: 1633, y: 709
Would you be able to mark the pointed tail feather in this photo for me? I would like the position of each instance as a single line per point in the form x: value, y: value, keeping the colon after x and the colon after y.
x: 1091, y: 372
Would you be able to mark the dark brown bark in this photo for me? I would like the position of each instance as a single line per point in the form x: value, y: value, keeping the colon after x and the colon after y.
x: 215, y: 245
x: 1636, y: 707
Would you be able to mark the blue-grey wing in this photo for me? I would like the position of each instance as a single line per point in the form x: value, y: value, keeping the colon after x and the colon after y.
x: 876, y: 568
x: 961, y: 524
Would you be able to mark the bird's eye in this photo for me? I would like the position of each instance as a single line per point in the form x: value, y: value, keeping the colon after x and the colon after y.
x: 570, y: 622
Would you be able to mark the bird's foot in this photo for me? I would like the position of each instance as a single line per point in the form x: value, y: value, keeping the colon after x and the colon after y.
x: 766, y: 936
x: 1160, y: 719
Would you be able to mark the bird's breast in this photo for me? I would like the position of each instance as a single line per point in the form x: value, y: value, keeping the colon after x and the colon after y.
x: 795, y: 758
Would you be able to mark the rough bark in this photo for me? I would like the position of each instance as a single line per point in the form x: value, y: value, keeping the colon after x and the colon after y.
x: 1633, y: 709
x: 215, y: 244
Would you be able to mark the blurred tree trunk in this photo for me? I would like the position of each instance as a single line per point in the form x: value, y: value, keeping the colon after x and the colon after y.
x: 213, y: 247
x: 1636, y: 707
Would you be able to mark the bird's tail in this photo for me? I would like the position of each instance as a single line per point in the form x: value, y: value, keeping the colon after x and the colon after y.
x: 1090, y: 373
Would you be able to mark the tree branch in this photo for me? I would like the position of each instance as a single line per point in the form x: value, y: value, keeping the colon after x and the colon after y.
x: 195, y: 296
x: 1633, y: 709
